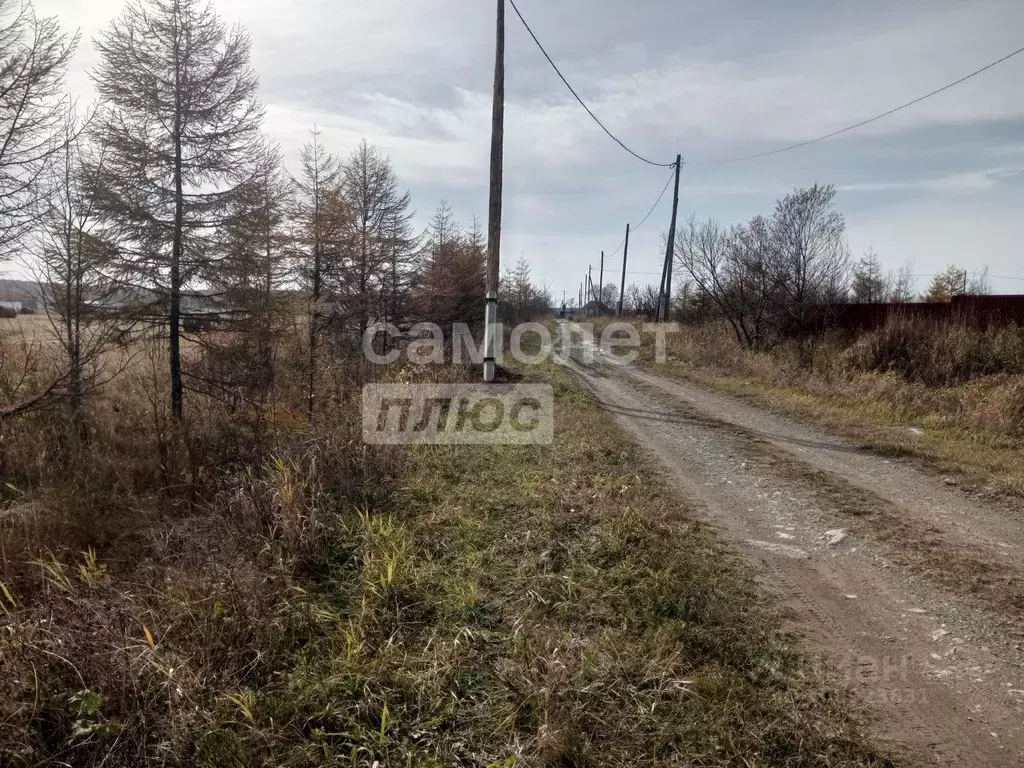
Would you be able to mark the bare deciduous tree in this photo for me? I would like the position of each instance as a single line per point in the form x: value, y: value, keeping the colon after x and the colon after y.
x: 904, y: 284
x: 181, y: 127
x: 642, y: 300
x: 733, y: 272
x: 773, y: 277
x: 980, y: 284
x: 811, y: 259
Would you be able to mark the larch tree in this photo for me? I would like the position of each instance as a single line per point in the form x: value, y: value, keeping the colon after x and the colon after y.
x: 870, y: 283
x: 379, y: 220
x: 181, y: 127
x: 400, y: 245
x: 952, y: 281
x: 470, y: 284
x: 34, y: 56
x: 248, y: 277
x: 450, y: 278
x: 73, y: 255
x: 317, y: 220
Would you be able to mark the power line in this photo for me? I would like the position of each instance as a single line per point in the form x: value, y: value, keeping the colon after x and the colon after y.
x: 671, y: 176
x: 862, y: 123
x: 653, y: 208
x: 975, y: 273
x: 580, y: 100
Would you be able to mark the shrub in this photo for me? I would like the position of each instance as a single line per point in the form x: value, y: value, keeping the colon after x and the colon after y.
x: 8, y: 313
x: 938, y: 354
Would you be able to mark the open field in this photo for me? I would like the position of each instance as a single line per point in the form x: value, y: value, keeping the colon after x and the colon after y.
x: 32, y: 327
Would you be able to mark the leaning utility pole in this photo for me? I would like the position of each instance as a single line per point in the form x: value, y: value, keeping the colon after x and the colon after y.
x: 600, y: 285
x: 625, y: 255
x: 666, y: 287
x: 494, y: 208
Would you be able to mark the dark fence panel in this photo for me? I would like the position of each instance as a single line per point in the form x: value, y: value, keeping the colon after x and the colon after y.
x: 975, y: 311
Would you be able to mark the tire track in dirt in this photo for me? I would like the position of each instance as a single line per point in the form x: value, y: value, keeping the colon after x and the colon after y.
x: 938, y: 671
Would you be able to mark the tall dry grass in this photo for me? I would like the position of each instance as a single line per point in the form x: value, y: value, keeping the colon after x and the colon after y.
x: 914, y: 372
x: 938, y: 354
x: 149, y: 571
x: 949, y: 395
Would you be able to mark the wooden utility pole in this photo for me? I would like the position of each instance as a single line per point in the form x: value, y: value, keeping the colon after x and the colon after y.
x: 590, y: 283
x: 670, y: 248
x: 600, y: 286
x: 625, y: 255
x: 494, y: 207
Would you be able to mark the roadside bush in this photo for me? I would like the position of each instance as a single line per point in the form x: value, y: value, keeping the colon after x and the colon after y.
x: 8, y: 313
x: 938, y: 354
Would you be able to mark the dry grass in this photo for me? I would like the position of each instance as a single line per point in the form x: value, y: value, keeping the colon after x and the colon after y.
x: 149, y: 571
x: 885, y: 391
x: 255, y: 590
x: 34, y: 326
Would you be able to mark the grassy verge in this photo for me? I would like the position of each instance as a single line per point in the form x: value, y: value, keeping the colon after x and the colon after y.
x: 978, y: 458
x: 543, y: 606
x: 971, y: 430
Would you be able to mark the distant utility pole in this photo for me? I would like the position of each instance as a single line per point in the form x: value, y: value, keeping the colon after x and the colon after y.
x: 600, y: 285
x: 580, y: 305
x: 494, y: 208
x: 666, y: 287
x: 625, y: 255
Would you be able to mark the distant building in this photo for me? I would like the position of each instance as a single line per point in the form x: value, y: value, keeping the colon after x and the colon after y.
x: 23, y: 294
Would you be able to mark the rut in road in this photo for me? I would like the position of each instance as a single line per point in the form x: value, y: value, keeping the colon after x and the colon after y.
x: 907, y: 587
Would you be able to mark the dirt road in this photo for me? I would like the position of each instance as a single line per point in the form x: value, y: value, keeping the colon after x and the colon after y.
x: 911, y: 588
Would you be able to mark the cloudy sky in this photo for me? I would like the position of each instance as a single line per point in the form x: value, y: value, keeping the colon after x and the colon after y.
x: 942, y: 181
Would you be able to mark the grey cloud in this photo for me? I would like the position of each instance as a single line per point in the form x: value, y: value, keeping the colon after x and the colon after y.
x: 710, y: 80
